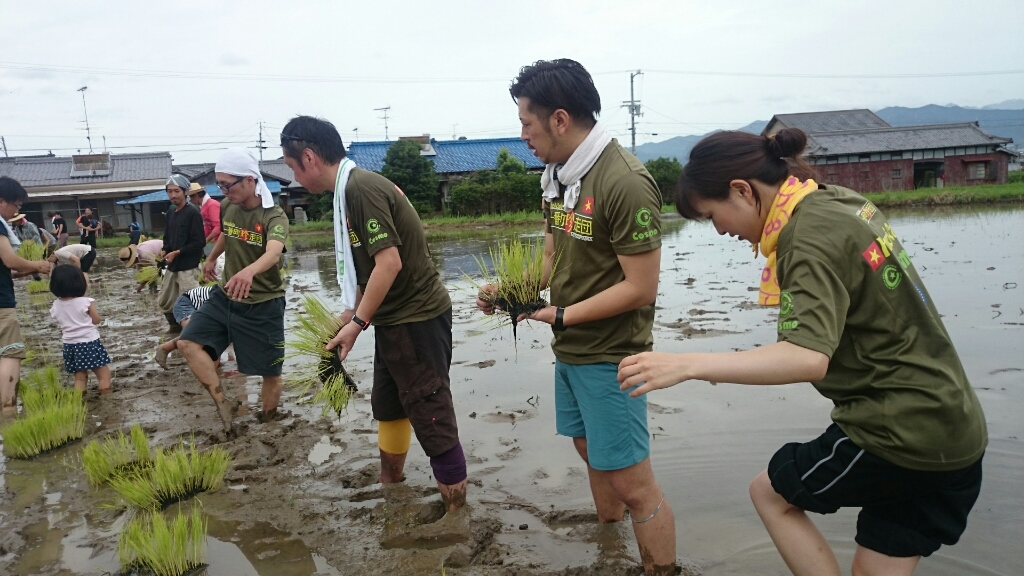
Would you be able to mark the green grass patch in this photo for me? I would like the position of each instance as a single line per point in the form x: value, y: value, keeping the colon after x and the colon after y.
x: 311, y: 226
x: 317, y: 325
x: 176, y: 474
x: 117, y: 454
x: 505, y: 219
x: 52, y: 416
x: 949, y: 196
x: 150, y: 544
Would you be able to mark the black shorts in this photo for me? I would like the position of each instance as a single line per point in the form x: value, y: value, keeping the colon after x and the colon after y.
x: 256, y: 330
x: 87, y: 260
x: 410, y: 380
x: 903, y: 513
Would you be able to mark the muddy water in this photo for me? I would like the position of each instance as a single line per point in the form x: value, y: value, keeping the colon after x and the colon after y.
x: 301, y: 498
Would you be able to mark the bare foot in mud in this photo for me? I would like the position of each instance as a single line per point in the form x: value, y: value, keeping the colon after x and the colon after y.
x: 274, y: 415
x: 227, y: 410
x: 161, y: 357
x: 454, y: 495
x: 105, y: 391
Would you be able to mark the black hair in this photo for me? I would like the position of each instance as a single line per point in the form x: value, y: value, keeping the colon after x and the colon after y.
x: 11, y: 190
x: 731, y: 155
x: 317, y: 134
x: 67, y: 281
x: 561, y: 84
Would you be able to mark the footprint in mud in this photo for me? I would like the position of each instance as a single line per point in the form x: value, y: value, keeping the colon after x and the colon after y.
x: 510, y: 453
x: 511, y: 417
x: 659, y: 409
x: 483, y: 364
x: 365, y: 476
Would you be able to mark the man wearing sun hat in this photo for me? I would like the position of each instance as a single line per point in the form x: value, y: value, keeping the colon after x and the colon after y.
x: 209, y: 208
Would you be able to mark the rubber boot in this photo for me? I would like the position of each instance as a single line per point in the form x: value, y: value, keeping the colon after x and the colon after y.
x: 174, y: 327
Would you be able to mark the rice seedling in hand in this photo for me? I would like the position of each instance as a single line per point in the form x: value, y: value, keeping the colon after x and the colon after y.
x: 151, y: 544
x: 315, y: 329
x: 116, y: 454
x: 175, y: 475
x: 37, y: 286
x: 31, y: 250
x: 518, y: 277
x: 53, y: 417
x: 147, y: 275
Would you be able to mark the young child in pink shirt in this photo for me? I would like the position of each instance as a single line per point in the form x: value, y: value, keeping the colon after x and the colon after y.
x: 78, y: 318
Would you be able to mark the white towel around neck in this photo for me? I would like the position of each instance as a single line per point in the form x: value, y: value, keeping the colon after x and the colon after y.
x: 242, y: 162
x: 345, y: 263
x: 573, y: 171
x: 15, y: 241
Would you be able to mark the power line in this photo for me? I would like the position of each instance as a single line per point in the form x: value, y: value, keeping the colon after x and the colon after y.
x: 634, y: 110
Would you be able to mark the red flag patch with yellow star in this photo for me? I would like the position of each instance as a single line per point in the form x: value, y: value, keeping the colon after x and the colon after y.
x: 874, y: 256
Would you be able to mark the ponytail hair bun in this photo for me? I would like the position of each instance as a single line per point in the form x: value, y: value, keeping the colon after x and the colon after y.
x: 787, y: 143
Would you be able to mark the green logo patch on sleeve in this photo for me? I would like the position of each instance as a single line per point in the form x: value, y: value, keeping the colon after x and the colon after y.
x: 643, y: 217
x: 785, y: 304
x: 372, y: 226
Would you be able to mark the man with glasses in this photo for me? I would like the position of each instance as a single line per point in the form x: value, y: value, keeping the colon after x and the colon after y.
x: 247, y: 307
x: 183, y: 248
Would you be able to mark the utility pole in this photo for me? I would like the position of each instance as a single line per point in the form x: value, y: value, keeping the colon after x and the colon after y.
x: 88, y: 133
x: 260, y: 144
x: 634, y: 109
x: 455, y: 135
x: 355, y: 134
x: 385, y: 110
x: 4, y: 142
x: 104, y: 143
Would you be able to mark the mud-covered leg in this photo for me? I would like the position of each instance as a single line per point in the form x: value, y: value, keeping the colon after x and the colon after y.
x: 10, y: 372
x: 205, y: 371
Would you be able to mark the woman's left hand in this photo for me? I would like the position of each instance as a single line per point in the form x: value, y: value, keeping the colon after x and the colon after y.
x: 651, y: 371
x: 543, y: 315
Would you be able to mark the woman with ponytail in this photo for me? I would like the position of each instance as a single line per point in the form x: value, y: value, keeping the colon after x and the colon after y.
x: 855, y: 320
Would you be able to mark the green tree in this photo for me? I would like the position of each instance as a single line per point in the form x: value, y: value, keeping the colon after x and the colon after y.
x: 414, y: 174
x: 508, y: 188
x: 319, y: 206
x: 666, y: 173
x: 509, y: 164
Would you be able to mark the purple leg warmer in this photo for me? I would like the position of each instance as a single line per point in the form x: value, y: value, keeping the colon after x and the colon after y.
x: 449, y: 468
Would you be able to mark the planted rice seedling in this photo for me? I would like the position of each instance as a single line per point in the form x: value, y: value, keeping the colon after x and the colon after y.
x: 117, y: 454
x: 175, y: 475
x: 315, y: 329
x: 31, y: 250
x: 518, y: 276
x: 53, y: 416
x: 149, y: 543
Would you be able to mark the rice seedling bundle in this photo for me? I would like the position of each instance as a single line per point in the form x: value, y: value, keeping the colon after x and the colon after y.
x: 53, y: 416
x: 147, y: 275
x: 37, y: 286
x: 175, y: 475
x: 315, y: 329
x: 149, y: 543
x: 518, y: 276
x: 30, y: 250
x: 116, y: 454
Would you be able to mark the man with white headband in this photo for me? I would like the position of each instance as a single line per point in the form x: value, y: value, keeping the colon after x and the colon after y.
x: 247, y: 307
x: 388, y: 280
x: 182, y: 248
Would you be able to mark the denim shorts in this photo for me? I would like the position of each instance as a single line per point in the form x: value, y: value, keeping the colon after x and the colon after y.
x: 589, y: 404
x: 183, y: 309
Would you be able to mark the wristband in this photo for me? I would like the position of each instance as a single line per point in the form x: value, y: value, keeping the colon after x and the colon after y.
x: 363, y: 324
x: 558, y: 326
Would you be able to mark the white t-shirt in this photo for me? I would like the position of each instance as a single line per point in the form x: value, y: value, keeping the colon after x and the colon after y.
x: 75, y: 322
x: 78, y: 250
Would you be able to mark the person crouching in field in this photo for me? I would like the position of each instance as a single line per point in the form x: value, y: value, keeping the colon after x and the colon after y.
x: 77, y: 317
x: 856, y: 321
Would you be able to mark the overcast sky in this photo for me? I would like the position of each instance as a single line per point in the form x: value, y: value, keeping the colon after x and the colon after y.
x: 194, y: 77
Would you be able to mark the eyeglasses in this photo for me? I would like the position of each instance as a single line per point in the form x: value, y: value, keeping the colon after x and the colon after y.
x: 225, y: 188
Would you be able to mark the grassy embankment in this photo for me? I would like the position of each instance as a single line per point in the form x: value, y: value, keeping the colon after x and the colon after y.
x: 1013, y: 192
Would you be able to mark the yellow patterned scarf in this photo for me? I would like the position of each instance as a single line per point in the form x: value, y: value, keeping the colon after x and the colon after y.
x: 790, y: 194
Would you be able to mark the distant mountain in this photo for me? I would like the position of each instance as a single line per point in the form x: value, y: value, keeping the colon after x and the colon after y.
x: 1006, y: 123
x: 679, y: 147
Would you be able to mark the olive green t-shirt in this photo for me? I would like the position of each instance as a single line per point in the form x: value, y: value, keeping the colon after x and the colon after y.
x: 246, y: 234
x: 618, y: 212
x: 850, y: 292
x: 380, y: 216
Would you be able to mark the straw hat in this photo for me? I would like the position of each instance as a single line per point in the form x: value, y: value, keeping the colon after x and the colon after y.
x: 16, y: 218
x: 195, y: 188
x: 128, y: 255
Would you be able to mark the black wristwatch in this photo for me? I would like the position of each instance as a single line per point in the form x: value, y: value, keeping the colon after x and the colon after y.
x: 363, y: 324
x: 558, y: 326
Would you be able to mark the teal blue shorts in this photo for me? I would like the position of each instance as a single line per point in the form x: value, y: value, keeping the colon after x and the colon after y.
x: 589, y: 404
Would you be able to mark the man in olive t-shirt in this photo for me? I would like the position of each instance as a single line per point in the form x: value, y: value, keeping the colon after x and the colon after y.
x: 602, y: 227
x: 402, y: 296
x: 247, y: 308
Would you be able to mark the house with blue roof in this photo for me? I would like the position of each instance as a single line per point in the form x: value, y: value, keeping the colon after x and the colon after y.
x: 452, y: 158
